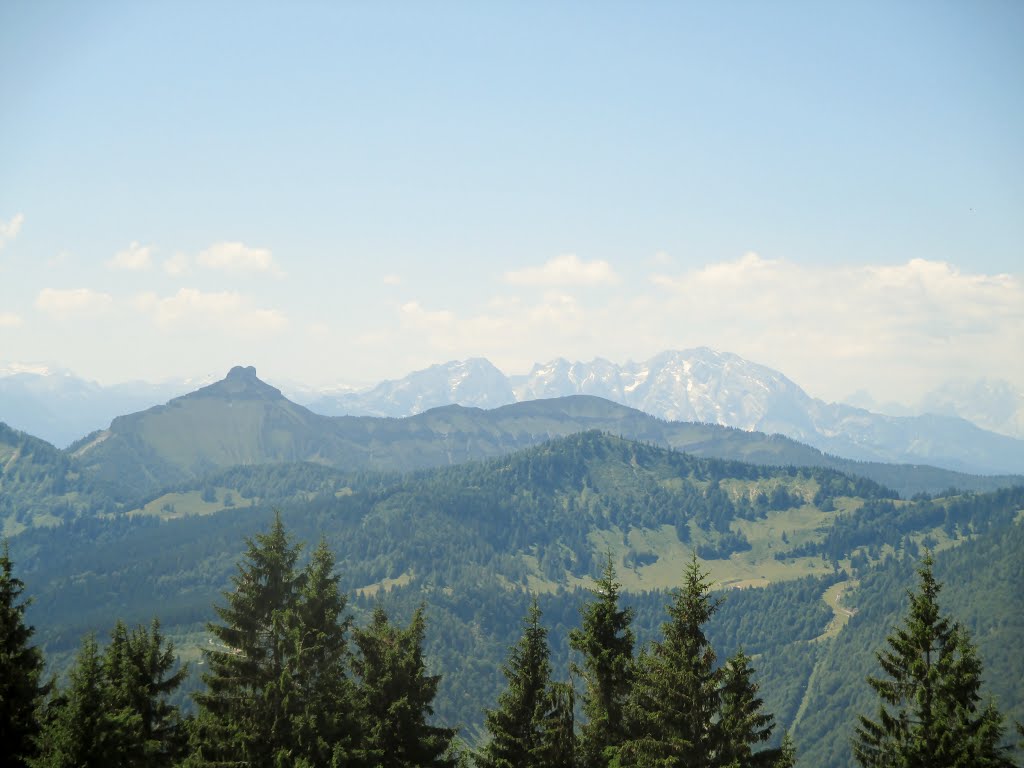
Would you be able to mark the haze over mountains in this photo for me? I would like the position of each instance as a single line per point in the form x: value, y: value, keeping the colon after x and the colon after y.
x: 699, y: 385
x: 60, y: 407
x: 524, y: 496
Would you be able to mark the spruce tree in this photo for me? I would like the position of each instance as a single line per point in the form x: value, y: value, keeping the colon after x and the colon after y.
x: 21, y: 669
x: 528, y: 727
x: 394, y: 698
x: 247, y: 713
x: 86, y: 727
x: 932, y: 682
x: 674, y: 707
x: 325, y: 727
x: 743, y: 722
x: 559, y: 727
x: 605, y: 640
x: 139, y: 667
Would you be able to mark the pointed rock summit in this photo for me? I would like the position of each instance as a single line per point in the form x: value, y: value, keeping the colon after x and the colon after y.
x: 241, y: 383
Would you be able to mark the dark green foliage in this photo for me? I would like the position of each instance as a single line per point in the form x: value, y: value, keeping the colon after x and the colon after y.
x: 684, y: 710
x: 449, y: 533
x: 981, y: 577
x: 394, y: 697
x: 932, y: 680
x: 86, y: 728
x: 879, y: 521
x: 675, y: 701
x: 743, y: 722
x: 247, y: 711
x: 38, y: 479
x: 528, y: 727
x: 605, y: 640
x: 325, y: 724
x: 21, y: 668
x: 140, y: 671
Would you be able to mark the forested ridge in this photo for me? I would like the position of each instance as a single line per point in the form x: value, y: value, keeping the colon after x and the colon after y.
x: 290, y: 680
x: 467, y: 546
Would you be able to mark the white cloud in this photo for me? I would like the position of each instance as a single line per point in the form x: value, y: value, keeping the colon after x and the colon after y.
x: 238, y: 257
x: 9, y: 320
x: 567, y: 269
x: 509, y: 331
x: 178, y: 264
x: 221, y: 310
x: 56, y: 301
x: 9, y: 230
x: 896, y: 330
x: 134, y: 257
x: 392, y: 279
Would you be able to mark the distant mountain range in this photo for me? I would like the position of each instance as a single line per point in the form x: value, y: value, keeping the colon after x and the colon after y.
x: 242, y: 420
x: 60, y: 407
x: 698, y: 385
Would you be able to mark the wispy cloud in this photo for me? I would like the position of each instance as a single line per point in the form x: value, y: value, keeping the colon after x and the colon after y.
x: 10, y: 320
x: 133, y: 258
x: 61, y: 302
x: 177, y: 265
x: 567, y: 269
x: 238, y: 257
x: 896, y: 330
x: 10, y: 229
x: 886, y: 327
x: 392, y: 279
x: 220, y: 310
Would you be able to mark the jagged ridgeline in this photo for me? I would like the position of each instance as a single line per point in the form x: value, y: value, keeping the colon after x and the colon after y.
x: 474, y: 539
x: 243, y: 420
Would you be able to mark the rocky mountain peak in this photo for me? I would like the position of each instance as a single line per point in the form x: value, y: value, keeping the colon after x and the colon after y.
x: 241, y: 383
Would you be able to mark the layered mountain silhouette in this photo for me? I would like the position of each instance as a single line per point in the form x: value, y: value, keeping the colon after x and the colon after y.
x: 701, y: 385
x: 242, y: 420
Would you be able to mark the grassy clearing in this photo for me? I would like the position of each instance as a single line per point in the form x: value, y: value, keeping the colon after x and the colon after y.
x: 385, y: 585
x: 172, y: 506
x: 754, y: 568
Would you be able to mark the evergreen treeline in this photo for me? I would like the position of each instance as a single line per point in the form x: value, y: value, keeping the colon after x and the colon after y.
x: 285, y: 686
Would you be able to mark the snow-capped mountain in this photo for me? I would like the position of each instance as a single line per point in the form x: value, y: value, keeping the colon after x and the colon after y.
x: 692, y: 385
x: 474, y: 382
x: 696, y: 385
x: 701, y: 385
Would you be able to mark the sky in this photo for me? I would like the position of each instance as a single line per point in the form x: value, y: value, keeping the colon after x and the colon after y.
x: 339, y: 193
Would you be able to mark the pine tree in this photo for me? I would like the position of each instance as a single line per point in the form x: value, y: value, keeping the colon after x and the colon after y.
x: 559, y: 727
x: 86, y: 728
x: 743, y: 722
x: 325, y: 727
x: 21, y: 668
x: 932, y: 681
x: 605, y: 640
x: 249, y: 708
x: 394, y: 698
x: 138, y: 667
x: 528, y: 727
x: 675, y: 703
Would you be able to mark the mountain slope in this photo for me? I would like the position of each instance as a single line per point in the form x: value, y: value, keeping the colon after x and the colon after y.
x: 243, y: 421
x: 238, y: 420
x: 39, y: 484
x: 60, y: 407
x: 472, y: 540
x: 704, y: 385
x: 475, y: 383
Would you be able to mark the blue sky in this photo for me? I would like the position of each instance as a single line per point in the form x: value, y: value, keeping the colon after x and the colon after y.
x: 342, y: 192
